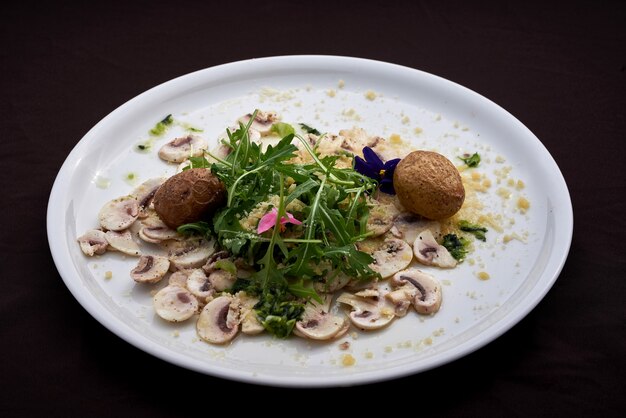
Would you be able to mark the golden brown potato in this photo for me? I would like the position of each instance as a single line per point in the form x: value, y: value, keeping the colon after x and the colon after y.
x: 428, y: 184
x: 189, y: 196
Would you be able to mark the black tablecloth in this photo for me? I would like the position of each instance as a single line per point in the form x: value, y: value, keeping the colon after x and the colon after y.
x: 557, y: 66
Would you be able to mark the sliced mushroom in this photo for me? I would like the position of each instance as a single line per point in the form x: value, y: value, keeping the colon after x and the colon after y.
x: 250, y: 324
x: 180, y: 149
x: 93, y: 242
x: 123, y: 242
x: 154, y: 230
x: 401, y: 299
x: 408, y: 226
x: 209, y: 266
x: 175, y: 304
x: 429, y: 252
x: 150, y: 269
x: 262, y: 122
x: 370, y: 312
x: 390, y: 255
x: 144, y: 193
x: 356, y: 139
x: 190, y: 253
x: 199, y: 285
x: 381, y: 218
x: 179, y: 278
x: 222, y: 280
x: 119, y: 214
x: 219, y: 320
x: 427, y: 297
x: 318, y: 323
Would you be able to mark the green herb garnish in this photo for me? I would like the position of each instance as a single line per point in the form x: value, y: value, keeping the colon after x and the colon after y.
x: 282, y: 129
x: 457, y: 247
x: 197, y: 228
x: 474, y: 229
x: 333, y: 210
x: 309, y: 130
x: 197, y: 162
x: 162, y: 126
x: 471, y: 161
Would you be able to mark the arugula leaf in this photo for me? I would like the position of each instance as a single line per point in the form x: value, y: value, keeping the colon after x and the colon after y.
x: 282, y: 129
x: 457, y: 247
x: 309, y: 130
x: 197, y: 228
x: 197, y: 162
x: 470, y: 161
x: 477, y: 230
x: 226, y: 265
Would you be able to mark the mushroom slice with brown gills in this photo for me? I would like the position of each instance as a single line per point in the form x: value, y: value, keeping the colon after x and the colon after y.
x: 381, y: 218
x: 179, y: 149
x: 210, y: 265
x: 390, y: 255
x: 119, y: 214
x: 144, y: 193
x: 219, y: 320
x: 198, y: 284
x: 122, y: 242
x: 190, y: 253
x: 429, y: 252
x: 154, y: 230
x: 250, y: 324
x: 262, y: 122
x: 150, y: 269
x: 93, y: 242
x: 408, y: 226
x: 427, y: 296
x: 318, y: 323
x: 369, y: 309
x: 175, y: 304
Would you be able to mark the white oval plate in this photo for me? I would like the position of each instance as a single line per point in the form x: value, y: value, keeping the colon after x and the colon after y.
x: 383, y: 98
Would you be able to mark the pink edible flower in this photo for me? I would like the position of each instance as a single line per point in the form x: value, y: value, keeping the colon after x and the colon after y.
x: 268, y: 221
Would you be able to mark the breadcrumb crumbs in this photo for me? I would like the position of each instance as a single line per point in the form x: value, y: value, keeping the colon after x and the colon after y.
x: 370, y: 95
x: 108, y: 275
x: 331, y: 93
x: 483, y: 275
x: 523, y: 204
x: 395, y: 139
x: 341, y: 84
x: 418, y: 130
x: 348, y: 360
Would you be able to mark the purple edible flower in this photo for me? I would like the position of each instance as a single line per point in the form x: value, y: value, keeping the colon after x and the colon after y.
x: 373, y: 167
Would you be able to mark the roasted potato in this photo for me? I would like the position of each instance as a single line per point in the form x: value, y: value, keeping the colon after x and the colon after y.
x: 189, y: 196
x: 428, y: 184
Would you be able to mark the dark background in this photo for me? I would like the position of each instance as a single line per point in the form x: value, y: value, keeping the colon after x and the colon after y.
x: 560, y: 67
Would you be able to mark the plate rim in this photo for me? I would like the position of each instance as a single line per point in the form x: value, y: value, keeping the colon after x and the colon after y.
x: 64, y: 263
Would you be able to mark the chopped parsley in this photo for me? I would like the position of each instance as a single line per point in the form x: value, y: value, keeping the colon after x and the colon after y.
x: 471, y: 160
x: 457, y: 247
x: 477, y: 230
x: 161, y: 127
